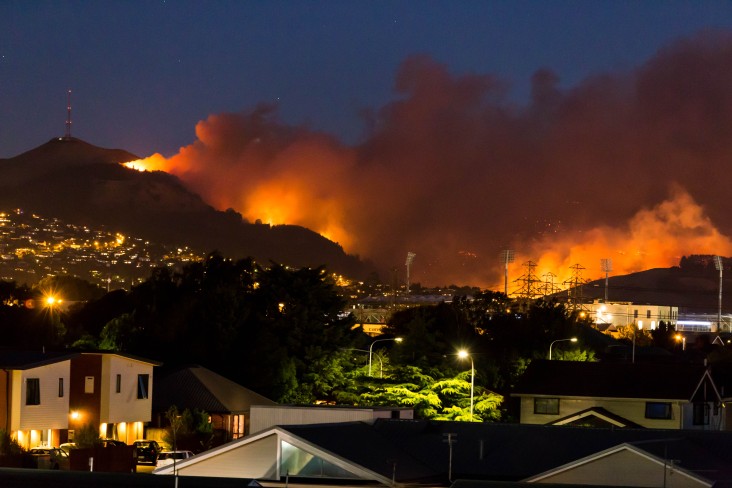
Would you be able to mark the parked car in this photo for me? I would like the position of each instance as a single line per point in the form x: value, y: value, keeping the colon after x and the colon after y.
x: 50, y: 457
x: 166, y: 457
x: 67, y: 446
x: 112, y: 443
x: 146, y: 452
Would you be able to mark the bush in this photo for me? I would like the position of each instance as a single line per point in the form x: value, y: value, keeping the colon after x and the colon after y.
x: 8, y: 445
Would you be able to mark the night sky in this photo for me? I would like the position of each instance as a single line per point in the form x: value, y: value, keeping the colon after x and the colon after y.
x: 566, y: 130
x: 143, y: 73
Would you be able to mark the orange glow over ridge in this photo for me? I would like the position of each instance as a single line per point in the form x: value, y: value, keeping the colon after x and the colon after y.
x: 655, y: 237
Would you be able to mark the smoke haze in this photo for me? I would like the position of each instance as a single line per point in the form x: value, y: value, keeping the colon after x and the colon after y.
x: 631, y: 166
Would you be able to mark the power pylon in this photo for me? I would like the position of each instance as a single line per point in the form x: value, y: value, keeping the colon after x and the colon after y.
x: 574, y: 287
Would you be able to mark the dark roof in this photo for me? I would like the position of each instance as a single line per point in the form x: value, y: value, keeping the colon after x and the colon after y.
x: 504, y: 452
x: 11, y: 359
x: 606, y: 379
x: 196, y: 387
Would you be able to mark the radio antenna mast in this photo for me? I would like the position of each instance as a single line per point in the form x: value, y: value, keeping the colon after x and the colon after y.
x: 68, y: 115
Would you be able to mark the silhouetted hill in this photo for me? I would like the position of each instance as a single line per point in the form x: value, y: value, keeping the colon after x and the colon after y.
x: 81, y: 183
x: 693, y: 285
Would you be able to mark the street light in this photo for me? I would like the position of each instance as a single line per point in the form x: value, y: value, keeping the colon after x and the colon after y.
x: 371, y: 348
x: 573, y: 339
x: 462, y: 354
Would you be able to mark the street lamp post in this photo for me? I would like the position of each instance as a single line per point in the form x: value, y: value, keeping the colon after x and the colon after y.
x: 371, y: 348
x: 462, y: 354
x: 572, y: 339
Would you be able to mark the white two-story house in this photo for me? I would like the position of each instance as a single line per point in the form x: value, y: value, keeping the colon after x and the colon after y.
x: 34, y: 394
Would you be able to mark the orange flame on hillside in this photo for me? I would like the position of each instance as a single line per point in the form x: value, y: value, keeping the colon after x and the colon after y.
x: 655, y: 237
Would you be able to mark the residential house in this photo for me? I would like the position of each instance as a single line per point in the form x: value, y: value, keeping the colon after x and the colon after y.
x: 651, y: 395
x: 34, y: 393
x: 113, y: 392
x: 402, y: 453
x: 198, y: 388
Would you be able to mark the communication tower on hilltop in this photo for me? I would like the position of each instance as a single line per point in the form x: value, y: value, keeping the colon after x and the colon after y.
x: 68, y: 116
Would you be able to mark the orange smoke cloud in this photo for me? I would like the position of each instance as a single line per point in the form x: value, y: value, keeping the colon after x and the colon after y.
x: 655, y: 237
x: 454, y: 171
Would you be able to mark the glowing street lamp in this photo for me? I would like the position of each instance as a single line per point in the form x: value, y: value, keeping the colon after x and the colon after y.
x: 572, y: 339
x: 371, y: 348
x: 462, y: 354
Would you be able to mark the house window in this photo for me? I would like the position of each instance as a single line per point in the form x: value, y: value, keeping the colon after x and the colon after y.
x: 143, y: 381
x: 701, y: 413
x: 60, y: 387
x: 658, y: 410
x: 546, y: 406
x: 635, y: 314
x: 89, y: 384
x: 118, y: 387
x: 648, y: 314
x: 238, y: 427
x: 33, y: 391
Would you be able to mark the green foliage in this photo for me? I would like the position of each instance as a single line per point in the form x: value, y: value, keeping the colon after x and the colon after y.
x: 8, y: 445
x: 87, y: 436
x: 188, y: 430
x: 439, y: 399
x: 574, y: 354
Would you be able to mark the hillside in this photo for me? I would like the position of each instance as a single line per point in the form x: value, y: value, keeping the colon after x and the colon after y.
x: 694, y: 289
x: 84, y: 184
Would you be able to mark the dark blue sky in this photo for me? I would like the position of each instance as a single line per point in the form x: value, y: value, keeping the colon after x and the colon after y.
x: 143, y: 73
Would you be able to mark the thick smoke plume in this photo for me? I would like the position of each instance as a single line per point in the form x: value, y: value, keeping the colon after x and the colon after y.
x: 631, y: 166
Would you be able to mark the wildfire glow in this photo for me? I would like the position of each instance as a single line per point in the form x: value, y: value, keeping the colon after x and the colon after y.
x: 156, y: 162
x: 654, y: 238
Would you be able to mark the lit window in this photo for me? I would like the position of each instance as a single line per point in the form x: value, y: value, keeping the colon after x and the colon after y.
x: 33, y: 391
x: 546, y: 406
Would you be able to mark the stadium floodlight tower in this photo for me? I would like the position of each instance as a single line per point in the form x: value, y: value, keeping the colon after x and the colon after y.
x: 607, y: 266
x: 507, y: 257
x: 719, y: 267
x: 410, y: 258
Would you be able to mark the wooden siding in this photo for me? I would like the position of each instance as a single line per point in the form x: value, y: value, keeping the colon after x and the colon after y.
x: 256, y: 460
x: 124, y: 406
x: 53, y: 411
x: 631, y: 409
x: 86, y: 404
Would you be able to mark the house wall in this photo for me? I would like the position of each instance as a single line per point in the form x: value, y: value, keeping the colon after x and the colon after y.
x: 5, y: 399
x: 85, y: 405
x: 256, y: 460
x: 623, y: 468
x: 124, y: 406
x: 625, y: 313
x: 630, y: 409
x: 266, y: 416
x: 53, y: 411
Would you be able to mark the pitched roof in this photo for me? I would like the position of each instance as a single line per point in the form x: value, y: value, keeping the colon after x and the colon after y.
x: 596, y: 417
x: 12, y: 359
x: 607, y: 379
x: 417, y: 451
x: 196, y: 387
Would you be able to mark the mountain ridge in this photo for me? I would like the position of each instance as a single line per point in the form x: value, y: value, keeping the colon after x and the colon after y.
x: 76, y: 181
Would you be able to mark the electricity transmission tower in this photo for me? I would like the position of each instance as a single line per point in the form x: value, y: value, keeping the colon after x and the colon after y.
x: 574, y: 287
